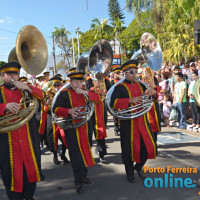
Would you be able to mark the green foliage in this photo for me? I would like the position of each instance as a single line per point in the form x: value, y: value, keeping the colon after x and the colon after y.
x: 101, y: 29
x: 2, y: 63
x: 130, y: 37
x: 114, y: 11
x: 179, y: 30
x: 87, y: 40
x: 173, y: 22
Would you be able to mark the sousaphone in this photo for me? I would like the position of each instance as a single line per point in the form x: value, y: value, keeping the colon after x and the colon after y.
x: 32, y: 54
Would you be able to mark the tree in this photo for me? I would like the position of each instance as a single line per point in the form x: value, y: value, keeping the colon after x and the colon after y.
x: 130, y: 37
x: 62, y: 41
x: 2, y: 63
x: 87, y: 40
x: 114, y: 11
x: 173, y: 24
x: 101, y: 29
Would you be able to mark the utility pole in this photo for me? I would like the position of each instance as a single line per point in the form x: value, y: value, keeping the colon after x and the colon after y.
x: 73, y: 52
x: 54, y: 57
x: 78, y: 42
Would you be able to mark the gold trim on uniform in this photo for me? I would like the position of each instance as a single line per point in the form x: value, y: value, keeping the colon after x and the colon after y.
x: 132, y: 123
x: 33, y: 153
x: 152, y: 140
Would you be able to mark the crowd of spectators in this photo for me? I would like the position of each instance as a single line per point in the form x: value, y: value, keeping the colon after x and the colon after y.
x: 177, y: 83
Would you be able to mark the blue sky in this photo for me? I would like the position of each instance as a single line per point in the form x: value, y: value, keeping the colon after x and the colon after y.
x: 47, y: 14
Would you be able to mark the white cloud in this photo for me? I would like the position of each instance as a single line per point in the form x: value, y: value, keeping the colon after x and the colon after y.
x: 9, y: 20
x: 3, y: 38
x: 2, y: 20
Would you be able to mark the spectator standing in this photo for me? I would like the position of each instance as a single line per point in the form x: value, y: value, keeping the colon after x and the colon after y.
x: 190, y: 72
x: 195, y: 109
x: 164, y: 89
x: 166, y: 109
x: 180, y: 99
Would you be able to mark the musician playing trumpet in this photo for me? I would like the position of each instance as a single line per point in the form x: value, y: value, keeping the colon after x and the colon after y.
x: 137, y: 140
x: 68, y: 103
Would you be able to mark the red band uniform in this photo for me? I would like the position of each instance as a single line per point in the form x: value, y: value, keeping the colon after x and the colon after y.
x: 137, y: 140
x: 77, y: 138
x: 20, y: 160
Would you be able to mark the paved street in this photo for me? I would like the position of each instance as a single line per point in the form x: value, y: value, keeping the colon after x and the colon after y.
x: 176, y: 149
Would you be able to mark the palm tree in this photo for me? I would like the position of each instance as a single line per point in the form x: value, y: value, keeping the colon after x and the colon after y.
x: 62, y: 41
x: 118, y: 28
x: 101, y: 29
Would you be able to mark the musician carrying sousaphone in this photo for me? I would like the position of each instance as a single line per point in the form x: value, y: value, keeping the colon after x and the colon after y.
x: 20, y: 154
x: 137, y: 141
x: 68, y: 104
x: 20, y: 157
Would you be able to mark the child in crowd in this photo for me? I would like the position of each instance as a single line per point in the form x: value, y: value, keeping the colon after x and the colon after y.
x: 166, y: 109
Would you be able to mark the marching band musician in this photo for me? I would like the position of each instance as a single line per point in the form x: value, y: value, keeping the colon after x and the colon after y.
x: 137, y: 140
x: 20, y: 160
x: 53, y: 131
x: 46, y: 75
x: 40, y: 81
x: 116, y: 73
x: 67, y: 104
x: 23, y: 79
x: 99, y: 118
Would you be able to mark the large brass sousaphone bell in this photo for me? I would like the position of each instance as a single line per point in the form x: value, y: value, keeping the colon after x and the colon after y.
x: 100, y: 59
x: 32, y: 54
x: 31, y: 50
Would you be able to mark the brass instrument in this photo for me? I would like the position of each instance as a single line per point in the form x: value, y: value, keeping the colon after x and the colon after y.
x: 32, y: 54
x: 84, y: 115
x: 31, y: 50
x: 100, y: 59
x: 82, y: 65
x: 149, y: 52
x: 47, y: 87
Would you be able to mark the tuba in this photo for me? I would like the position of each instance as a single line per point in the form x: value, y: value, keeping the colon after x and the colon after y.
x: 97, y: 62
x: 149, y: 52
x: 32, y: 54
x: 84, y: 114
x: 82, y: 65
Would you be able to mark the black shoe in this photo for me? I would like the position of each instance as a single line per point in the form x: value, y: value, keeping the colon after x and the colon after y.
x: 87, y: 181
x: 141, y: 174
x: 65, y: 160
x: 56, y: 161
x: 102, y: 160
x: 131, y: 178
x: 31, y: 198
x: 79, y: 189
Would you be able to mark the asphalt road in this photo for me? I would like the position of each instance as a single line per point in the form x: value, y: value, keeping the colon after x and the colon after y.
x: 177, y: 148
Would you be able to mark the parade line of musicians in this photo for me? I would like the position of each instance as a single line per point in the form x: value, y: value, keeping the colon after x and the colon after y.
x: 20, y: 150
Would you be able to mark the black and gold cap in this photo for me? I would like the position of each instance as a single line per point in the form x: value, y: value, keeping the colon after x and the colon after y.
x: 129, y: 64
x: 10, y: 67
x: 77, y: 75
